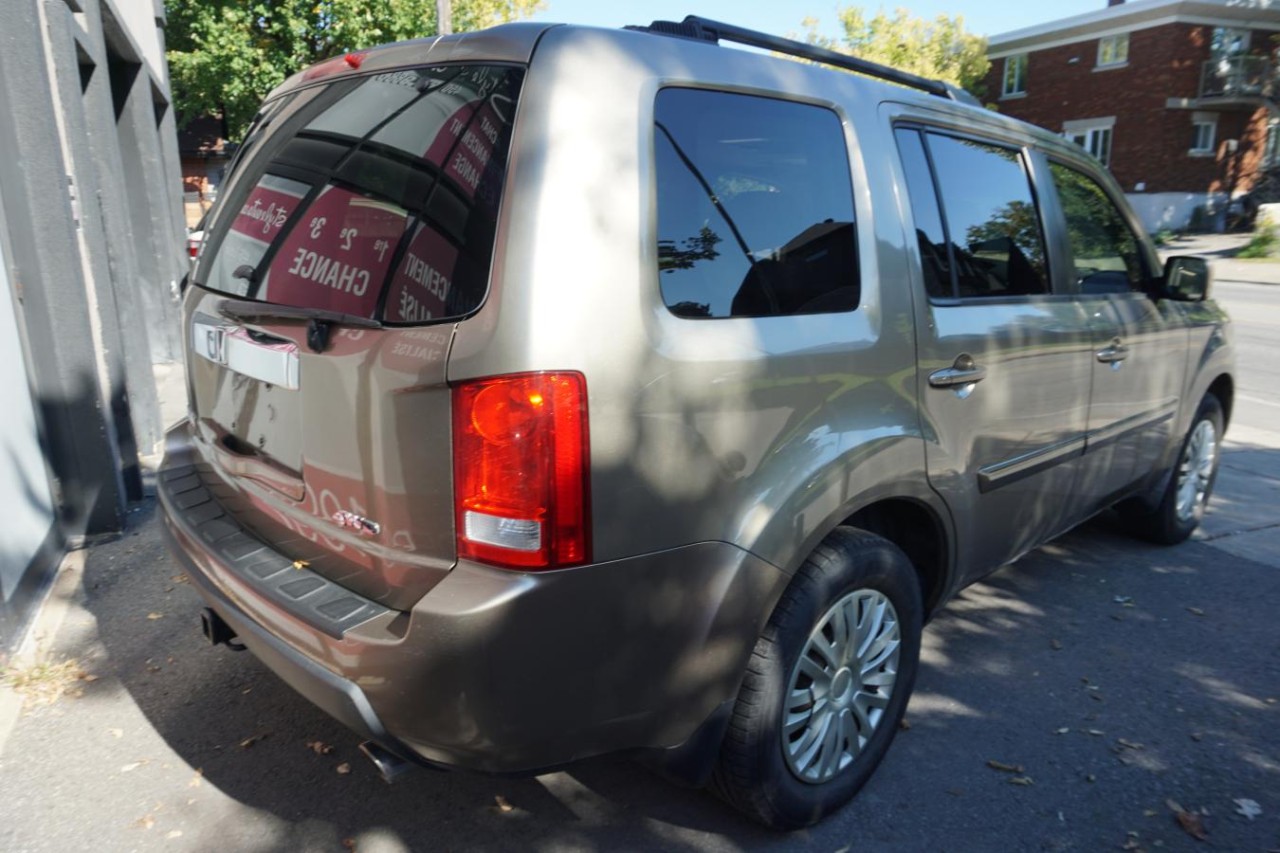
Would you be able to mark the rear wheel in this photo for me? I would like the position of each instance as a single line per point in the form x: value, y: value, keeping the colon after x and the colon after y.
x: 827, y: 684
x: 1183, y: 503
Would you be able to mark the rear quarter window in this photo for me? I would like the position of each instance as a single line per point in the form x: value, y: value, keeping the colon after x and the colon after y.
x: 755, y: 207
x: 374, y: 196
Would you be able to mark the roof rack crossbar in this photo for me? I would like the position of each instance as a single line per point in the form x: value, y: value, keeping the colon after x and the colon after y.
x: 717, y: 31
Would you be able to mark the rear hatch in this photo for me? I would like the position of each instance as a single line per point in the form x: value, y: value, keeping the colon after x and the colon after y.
x: 356, y: 227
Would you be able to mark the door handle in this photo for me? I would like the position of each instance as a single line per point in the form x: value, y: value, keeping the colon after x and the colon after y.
x: 1113, y: 354
x: 964, y: 371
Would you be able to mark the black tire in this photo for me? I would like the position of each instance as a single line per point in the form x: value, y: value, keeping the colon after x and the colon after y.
x: 1165, y: 525
x: 753, y: 772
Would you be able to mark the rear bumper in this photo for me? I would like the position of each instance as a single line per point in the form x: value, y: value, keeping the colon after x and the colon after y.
x: 491, y: 670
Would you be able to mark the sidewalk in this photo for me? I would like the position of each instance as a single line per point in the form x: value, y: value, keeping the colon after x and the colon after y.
x: 1221, y: 249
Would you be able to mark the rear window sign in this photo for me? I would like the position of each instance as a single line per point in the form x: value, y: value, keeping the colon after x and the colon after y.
x: 338, y: 254
x: 420, y: 289
x: 464, y: 144
x: 268, y: 207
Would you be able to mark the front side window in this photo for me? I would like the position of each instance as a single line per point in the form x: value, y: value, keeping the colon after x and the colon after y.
x: 1113, y: 50
x: 979, y: 232
x: 1015, y: 75
x: 755, y: 207
x: 373, y: 196
x: 1104, y: 250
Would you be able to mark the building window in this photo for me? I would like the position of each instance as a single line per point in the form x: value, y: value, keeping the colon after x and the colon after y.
x: 1113, y: 50
x: 1093, y: 135
x: 1271, y: 153
x: 1203, y: 134
x: 1015, y: 75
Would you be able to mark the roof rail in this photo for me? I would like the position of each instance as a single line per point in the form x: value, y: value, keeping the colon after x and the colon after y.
x: 703, y: 29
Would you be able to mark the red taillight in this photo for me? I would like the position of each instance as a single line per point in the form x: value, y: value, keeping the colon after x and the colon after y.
x: 520, y: 470
x: 193, y: 247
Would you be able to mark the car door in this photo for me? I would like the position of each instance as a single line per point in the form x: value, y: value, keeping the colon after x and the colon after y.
x: 1139, y: 343
x: 1004, y: 362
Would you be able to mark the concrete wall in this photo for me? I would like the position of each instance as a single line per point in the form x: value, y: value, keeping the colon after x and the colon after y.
x: 90, y: 188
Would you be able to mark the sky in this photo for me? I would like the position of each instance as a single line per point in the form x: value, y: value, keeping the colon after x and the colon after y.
x: 780, y: 17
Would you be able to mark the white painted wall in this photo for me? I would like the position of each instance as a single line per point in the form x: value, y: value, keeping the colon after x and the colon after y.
x: 1172, y: 211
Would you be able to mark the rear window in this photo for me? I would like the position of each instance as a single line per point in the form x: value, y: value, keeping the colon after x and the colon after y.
x: 755, y: 206
x: 375, y: 196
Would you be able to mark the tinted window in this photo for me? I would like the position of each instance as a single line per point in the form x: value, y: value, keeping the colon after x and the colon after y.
x: 375, y: 196
x: 1103, y: 249
x: 755, y: 207
x: 935, y: 259
x: 991, y: 218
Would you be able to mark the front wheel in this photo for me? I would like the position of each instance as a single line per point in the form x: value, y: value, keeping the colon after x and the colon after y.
x: 827, y: 684
x: 1182, y: 506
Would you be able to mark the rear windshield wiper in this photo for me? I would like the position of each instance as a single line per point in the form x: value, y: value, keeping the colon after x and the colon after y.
x: 244, y: 309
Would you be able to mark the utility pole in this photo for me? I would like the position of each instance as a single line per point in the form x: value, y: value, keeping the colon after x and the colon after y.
x: 444, y: 17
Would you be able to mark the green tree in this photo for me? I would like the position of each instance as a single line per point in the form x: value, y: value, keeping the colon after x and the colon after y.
x: 939, y: 49
x: 226, y: 55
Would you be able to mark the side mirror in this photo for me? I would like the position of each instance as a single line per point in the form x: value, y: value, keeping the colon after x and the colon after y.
x: 1187, y: 278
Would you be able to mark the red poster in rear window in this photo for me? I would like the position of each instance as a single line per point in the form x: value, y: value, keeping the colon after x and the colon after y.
x: 420, y: 289
x: 464, y: 145
x: 338, y: 254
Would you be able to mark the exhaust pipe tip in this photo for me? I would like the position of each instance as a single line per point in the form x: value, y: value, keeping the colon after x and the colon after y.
x: 390, y: 766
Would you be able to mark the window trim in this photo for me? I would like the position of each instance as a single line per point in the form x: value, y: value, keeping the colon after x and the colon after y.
x: 1113, y: 39
x: 1087, y: 126
x: 1017, y: 63
x: 1199, y: 120
x: 1271, y: 145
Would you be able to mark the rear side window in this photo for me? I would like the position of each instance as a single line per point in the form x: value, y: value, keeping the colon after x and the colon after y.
x: 375, y: 196
x: 1104, y: 250
x: 755, y: 207
x: 990, y: 228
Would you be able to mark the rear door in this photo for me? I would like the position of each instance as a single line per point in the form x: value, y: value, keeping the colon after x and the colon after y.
x: 1004, y: 361
x: 357, y: 226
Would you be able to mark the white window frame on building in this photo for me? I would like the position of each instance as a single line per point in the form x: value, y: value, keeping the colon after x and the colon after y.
x: 1271, y: 149
x: 1095, y: 135
x: 1113, y: 50
x: 1204, y: 134
x: 1015, y: 76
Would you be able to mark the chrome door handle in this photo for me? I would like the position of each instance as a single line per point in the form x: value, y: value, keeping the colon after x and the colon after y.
x: 963, y: 372
x: 1113, y: 354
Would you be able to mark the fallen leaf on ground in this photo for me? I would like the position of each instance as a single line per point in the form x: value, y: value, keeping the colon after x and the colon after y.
x: 1056, y: 645
x: 174, y: 833
x: 1195, y: 611
x: 251, y: 740
x: 319, y: 747
x: 1021, y: 780
x: 129, y: 768
x: 154, y: 616
x: 88, y: 677
x: 1189, y: 821
x: 342, y: 769
x: 145, y: 822
x: 1197, y: 737
x: 116, y: 733
x: 1248, y: 808
x: 1062, y: 731
x: 1007, y: 768
x: 1122, y: 599
x: 1128, y: 744
x: 178, y: 578
x: 905, y: 724
x: 300, y: 564
x: 1091, y: 778
x: 197, y: 778
x: 500, y: 803
x: 1150, y: 812
x: 1097, y: 732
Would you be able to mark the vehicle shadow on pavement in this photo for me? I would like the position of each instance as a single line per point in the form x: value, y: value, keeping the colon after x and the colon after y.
x: 1108, y: 675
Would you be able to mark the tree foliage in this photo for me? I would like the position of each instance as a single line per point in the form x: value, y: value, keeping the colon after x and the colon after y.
x: 940, y: 49
x: 226, y: 55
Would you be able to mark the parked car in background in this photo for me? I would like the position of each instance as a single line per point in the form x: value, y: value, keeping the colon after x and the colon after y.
x: 557, y: 391
x: 195, y: 238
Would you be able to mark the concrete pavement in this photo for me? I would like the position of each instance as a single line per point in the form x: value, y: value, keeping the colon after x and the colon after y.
x: 1118, y: 675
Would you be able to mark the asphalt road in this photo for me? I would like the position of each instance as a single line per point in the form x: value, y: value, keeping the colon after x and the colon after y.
x: 1116, y: 675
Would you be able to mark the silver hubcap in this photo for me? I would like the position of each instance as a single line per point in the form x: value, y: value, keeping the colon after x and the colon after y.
x: 840, y: 686
x: 1196, y: 469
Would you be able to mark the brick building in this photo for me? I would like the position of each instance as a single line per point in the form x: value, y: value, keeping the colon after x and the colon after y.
x: 1179, y: 98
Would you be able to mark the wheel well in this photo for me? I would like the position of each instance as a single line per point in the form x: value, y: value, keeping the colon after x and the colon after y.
x: 915, y: 529
x: 1224, y: 389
